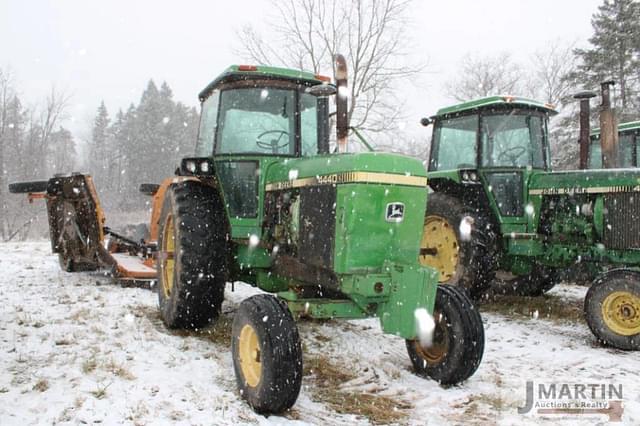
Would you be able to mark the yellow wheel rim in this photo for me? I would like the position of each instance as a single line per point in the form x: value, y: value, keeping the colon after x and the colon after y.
x: 621, y: 313
x: 168, y: 259
x: 440, y: 345
x: 439, y: 247
x: 250, y: 356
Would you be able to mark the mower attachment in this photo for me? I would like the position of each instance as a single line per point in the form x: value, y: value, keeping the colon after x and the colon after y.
x: 77, y: 231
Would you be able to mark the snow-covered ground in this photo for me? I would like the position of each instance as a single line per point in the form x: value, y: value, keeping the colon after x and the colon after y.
x: 74, y: 348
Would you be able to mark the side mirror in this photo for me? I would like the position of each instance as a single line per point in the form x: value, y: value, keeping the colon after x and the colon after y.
x: 425, y: 121
x: 322, y: 90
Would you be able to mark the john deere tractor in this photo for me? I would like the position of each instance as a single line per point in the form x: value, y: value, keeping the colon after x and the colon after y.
x: 628, y: 146
x: 267, y: 201
x: 497, y: 206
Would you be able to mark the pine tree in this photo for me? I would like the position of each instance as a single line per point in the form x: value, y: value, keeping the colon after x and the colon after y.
x: 98, y: 160
x: 615, y: 53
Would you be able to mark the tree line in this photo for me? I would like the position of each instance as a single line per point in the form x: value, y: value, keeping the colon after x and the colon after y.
x: 33, y: 144
x: 140, y: 145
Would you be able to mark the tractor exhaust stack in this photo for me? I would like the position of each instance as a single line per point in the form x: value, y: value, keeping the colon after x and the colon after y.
x: 585, y: 130
x: 342, y: 114
x: 608, y: 128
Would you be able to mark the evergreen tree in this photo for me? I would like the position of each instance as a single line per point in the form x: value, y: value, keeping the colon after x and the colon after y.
x: 98, y: 159
x: 615, y: 53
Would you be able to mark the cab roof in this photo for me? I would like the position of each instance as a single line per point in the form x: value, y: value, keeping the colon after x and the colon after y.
x: 247, y: 72
x: 493, y: 101
x: 632, y: 125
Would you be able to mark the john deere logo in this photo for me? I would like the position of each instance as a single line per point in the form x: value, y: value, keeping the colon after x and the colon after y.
x: 395, y: 212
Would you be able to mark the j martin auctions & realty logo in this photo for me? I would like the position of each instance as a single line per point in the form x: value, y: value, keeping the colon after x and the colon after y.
x: 574, y: 399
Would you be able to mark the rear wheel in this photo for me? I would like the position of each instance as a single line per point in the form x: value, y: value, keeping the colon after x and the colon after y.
x: 458, y: 340
x: 612, y: 309
x: 192, y: 257
x: 267, y: 356
x: 460, y: 243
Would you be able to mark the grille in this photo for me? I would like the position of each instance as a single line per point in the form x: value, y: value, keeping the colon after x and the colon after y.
x: 622, y: 221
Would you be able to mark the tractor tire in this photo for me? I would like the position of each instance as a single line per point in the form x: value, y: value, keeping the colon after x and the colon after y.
x: 267, y: 355
x: 458, y: 339
x: 192, y: 258
x: 612, y: 309
x: 460, y: 242
x: 27, y: 187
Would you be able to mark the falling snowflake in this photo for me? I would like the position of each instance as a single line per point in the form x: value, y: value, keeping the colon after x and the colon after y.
x: 425, y: 325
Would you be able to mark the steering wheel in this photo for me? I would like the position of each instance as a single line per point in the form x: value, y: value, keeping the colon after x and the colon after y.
x: 273, y: 144
x: 512, y: 154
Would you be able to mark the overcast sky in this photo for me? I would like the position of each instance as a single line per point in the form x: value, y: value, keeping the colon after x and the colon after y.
x: 109, y: 49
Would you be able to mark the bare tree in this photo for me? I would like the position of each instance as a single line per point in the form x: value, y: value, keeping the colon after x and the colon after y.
x: 371, y: 35
x: 549, y: 70
x: 485, y: 76
x: 7, y: 94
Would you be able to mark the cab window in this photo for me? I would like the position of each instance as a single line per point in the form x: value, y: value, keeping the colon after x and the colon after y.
x: 256, y: 120
x: 208, y: 120
x: 513, y: 140
x: 454, y: 143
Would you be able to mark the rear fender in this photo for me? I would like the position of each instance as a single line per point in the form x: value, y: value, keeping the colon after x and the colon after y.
x: 158, y: 200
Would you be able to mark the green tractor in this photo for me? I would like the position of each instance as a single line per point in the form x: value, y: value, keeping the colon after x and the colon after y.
x: 267, y: 201
x: 497, y: 206
x: 628, y: 146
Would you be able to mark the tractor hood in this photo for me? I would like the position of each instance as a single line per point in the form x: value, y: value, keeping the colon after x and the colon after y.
x: 349, y: 212
x: 368, y: 167
x: 585, y: 181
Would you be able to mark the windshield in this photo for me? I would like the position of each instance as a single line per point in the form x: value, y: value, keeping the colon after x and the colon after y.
x: 261, y: 120
x: 256, y: 120
x: 513, y: 140
x: 454, y: 143
x: 627, y: 151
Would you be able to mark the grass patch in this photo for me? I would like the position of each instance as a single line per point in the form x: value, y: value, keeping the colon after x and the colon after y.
x: 328, y: 378
x: 119, y: 370
x: 41, y: 385
x: 89, y: 365
x: 219, y: 332
x: 100, y: 391
x: 549, y: 307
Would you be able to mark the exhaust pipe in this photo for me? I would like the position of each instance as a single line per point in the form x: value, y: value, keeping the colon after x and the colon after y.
x: 342, y: 115
x: 608, y: 128
x: 585, y: 129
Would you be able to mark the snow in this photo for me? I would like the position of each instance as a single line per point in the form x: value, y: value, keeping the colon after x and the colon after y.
x: 75, y: 348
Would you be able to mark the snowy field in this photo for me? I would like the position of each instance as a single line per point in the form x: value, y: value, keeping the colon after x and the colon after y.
x: 77, y: 349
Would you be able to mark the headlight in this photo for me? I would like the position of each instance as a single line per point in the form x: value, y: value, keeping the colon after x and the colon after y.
x: 204, y: 167
x: 191, y: 166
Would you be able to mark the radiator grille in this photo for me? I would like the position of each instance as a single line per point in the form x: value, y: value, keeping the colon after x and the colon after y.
x: 622, y: 221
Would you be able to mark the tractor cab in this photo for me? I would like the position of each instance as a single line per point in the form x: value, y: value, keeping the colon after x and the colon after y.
x: 628, y: 149
x: 253, y: 117
x: 495, y: 143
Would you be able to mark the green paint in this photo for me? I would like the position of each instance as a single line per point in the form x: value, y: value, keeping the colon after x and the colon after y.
x: 563, y: 218
x: 374, y: 258
x: 364, y: 238
x: 493, y: 101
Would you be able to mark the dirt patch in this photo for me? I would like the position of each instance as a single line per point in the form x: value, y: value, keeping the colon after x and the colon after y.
x: 328, y: 377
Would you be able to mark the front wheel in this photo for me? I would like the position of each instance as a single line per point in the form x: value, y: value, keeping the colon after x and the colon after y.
x: 458, y: 339
x: 267, y: 356
x: 612, y: 309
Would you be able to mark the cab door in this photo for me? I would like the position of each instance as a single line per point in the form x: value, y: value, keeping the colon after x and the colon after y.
x: 512, y: 148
